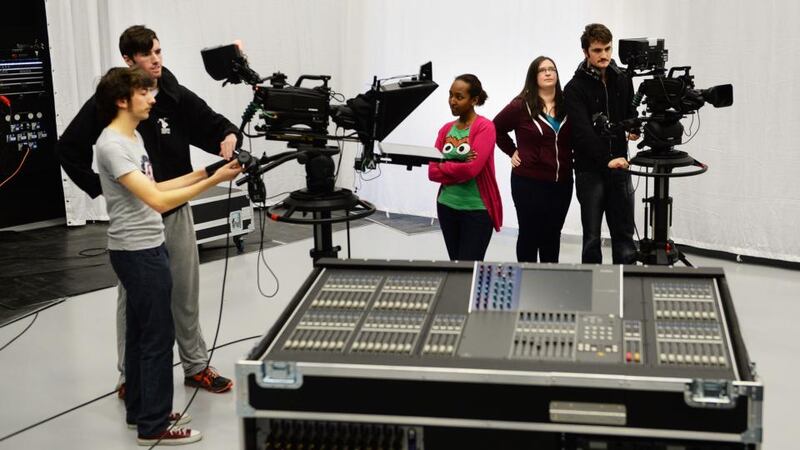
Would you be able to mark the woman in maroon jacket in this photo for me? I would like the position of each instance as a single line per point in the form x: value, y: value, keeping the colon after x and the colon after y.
x: 541, y: 178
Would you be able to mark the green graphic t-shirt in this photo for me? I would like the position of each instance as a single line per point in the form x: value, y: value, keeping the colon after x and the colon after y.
x: 464, y: 196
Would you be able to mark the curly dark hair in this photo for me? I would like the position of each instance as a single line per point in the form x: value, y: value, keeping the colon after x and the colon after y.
x: 595, y: 32
x: 136, y: 39
x: 118, y: 84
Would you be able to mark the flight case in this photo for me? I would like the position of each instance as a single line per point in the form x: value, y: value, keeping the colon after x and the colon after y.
x: 412, y: 355
x: 216, y: 216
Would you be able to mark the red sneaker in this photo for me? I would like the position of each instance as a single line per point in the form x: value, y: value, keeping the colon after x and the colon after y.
x: 174, y: 436
x: 173, y: 420
x: 209, y: 380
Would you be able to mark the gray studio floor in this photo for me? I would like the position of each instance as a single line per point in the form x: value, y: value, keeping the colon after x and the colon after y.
x: 68, y: 356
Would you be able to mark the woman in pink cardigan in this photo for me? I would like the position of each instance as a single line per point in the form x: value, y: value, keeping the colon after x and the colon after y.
x: 468, y: 203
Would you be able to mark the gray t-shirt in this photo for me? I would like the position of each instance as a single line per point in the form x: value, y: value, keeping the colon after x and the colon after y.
x: 134, y: 225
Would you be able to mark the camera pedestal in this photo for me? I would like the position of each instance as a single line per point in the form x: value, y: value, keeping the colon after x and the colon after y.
x: 660, y: 249
x: 320, y: 200
x: 325, y: 209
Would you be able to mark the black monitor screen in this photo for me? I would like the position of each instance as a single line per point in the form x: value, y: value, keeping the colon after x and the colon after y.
x: 556, y: 290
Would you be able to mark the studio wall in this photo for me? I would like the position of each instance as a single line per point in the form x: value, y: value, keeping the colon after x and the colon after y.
x: 747, y: 203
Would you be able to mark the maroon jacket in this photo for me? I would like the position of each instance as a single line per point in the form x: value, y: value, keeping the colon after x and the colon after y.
x: 545, y: 154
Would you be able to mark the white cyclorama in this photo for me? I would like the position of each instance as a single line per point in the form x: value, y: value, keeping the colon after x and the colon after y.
x: 743, y: 205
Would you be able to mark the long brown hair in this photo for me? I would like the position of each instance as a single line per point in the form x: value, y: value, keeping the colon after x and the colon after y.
x: 530, y: 92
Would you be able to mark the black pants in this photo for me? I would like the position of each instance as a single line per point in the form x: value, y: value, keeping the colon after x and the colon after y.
x: 149, y: 337
x: 609, y: 192
x: 541, y: 210
x: 466, y: 233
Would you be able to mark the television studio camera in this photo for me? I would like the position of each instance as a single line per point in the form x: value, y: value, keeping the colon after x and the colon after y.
x: 300, y: 116
x: 669, y: 96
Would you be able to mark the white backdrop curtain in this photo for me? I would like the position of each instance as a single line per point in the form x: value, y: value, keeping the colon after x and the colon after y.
x: 80, y: 49
x: 745, y: 204
x: 294, y: 37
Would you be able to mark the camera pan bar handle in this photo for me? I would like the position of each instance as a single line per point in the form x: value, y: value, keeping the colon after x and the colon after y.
x: 685, y: 70
x: 323, y: 78
x: 278, y: 160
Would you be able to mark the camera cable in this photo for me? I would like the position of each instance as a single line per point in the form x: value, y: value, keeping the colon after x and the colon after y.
x: 214, y: 346
x: 22, y: 163
x: 694, y: 133
x: 261, y: 258
x: 35, y: 316
x: 219, y: 322
x: 262, y: 223
x: 102, y: 396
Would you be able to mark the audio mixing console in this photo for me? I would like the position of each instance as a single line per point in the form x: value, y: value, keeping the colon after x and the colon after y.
x: 591, y: 349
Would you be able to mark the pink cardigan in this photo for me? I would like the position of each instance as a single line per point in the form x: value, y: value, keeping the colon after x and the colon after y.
x: 481, y: 140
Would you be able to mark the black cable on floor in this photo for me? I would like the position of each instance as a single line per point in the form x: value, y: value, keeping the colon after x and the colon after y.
x: 89, y: 402
x: 208, y: 364
x: 219, y: 322
x: 83, y: 254
x: 211, y: 353
x: 67, y: 269
x: 50, y: 304
x: 42, y: 422
x: 91, y: 252
x: 35, y: 316
x: 260, y: 257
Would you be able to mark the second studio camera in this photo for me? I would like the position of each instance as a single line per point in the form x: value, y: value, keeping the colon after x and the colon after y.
x: 669, y: 95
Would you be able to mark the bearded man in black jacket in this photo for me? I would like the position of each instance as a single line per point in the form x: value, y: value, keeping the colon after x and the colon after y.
x: 178, y: 119
x: 602, y: 183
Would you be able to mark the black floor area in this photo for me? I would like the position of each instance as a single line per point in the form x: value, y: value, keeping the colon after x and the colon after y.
x: 405, y: 223
x: 40, y: 268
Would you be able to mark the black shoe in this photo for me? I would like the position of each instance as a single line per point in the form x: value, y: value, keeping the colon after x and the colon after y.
x: 209, y: 380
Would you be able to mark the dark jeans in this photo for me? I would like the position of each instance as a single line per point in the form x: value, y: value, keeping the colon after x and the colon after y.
x: 541, y: 210
x: 149, y: 337
x: 609, y: 192
x: 466, y: 232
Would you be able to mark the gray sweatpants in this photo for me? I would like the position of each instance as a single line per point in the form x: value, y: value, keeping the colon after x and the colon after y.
x: 184, y: 264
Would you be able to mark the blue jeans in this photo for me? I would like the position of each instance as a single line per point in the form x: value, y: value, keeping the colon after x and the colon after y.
x: 609, y: 192
x: 541, y: 210
x: 466, y: 232
x: 149, y: 337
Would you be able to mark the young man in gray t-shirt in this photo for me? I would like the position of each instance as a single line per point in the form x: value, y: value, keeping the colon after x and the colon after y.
x: 138, y: 255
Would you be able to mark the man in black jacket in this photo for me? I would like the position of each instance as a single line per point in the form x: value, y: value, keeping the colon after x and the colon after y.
x: 602, y: 183
x: 178, y: 119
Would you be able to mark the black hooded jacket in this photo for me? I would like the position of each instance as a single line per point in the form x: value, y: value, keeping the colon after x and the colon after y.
x: 178, y: 119
x: 586, y: 96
